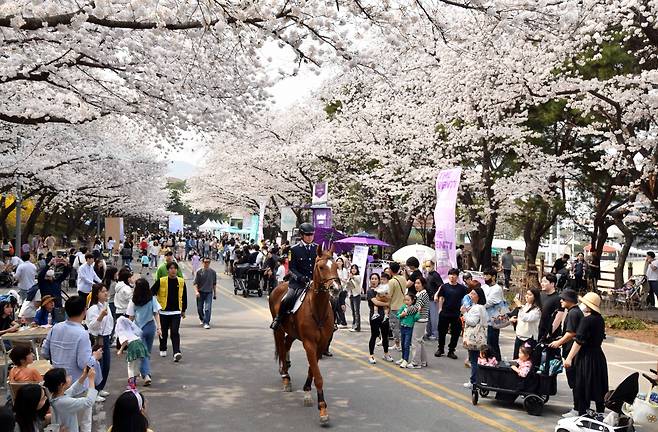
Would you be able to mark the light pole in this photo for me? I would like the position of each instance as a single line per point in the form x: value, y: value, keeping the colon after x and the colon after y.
x: 19, y: 203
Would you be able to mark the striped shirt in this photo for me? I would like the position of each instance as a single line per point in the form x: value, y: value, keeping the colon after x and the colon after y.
x: 421, y: 305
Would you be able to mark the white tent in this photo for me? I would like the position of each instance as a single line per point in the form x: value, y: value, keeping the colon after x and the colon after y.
x: 206, y: 226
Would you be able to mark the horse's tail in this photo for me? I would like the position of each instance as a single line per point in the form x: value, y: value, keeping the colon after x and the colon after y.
x: 276, y: 348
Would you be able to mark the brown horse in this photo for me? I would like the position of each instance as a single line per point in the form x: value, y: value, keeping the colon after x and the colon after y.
x: 313, y: 324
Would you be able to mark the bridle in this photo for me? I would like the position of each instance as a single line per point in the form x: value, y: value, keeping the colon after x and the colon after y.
x: 323, y: 286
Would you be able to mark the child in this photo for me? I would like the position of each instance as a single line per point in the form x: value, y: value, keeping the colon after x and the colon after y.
x: 129, y: 336
x: 65, y: 406
x: 487, y: 358
x: 382, y: 296
x: 407, y: 328
x: 22, y: 358
x: 129, y: 413
x: 523, y: 362
x: 196, y: 262
x: 146, y: 261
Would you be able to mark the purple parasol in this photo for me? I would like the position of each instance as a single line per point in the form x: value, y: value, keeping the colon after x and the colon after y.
x: 363, y: 241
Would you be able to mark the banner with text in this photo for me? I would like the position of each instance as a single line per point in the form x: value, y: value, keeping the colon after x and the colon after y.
x: 360, y: 259
x: 447, y: 184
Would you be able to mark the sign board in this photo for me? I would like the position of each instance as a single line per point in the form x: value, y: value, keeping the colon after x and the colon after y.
x: 114, y: 229
x: 360, y: 259
x: 322, y: 217
x: 320, y: 193
x: 447, y: 184
x: 175, y: 223
x: 288, y: 219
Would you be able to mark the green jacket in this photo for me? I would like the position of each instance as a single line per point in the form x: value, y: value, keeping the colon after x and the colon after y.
x: 409, y: 320
x: 162, y: 272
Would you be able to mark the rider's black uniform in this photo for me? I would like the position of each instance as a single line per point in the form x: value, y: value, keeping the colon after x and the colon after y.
x: 302, y: 261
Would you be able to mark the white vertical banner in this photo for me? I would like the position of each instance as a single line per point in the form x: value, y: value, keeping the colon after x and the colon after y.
x: 288, y: 219
x: 447, y: 184
x: 360, y: 259
x: 176, y: 223
x: 261, y: 217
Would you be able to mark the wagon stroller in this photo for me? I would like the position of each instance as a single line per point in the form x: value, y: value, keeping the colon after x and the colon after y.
x: 536, y: 389
x: 247, y: 280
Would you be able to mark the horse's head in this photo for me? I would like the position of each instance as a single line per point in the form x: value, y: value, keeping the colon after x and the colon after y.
x: 325, y: 273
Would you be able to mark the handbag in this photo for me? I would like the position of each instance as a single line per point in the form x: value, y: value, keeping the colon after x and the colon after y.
x: 475, y: 337
x: 643, y: 411
x: 499, y: 318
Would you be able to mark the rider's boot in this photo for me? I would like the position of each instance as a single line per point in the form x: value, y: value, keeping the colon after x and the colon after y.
x: 276, y: 322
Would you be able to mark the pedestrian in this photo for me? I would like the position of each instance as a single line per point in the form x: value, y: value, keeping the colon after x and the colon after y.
x: 527, y: 321
x: 507, y: 264
x: 652, y: 278
x: 154, y: 253
x: 378, y: 323
x: 65, y: 407
x: 475, y: 330
x: 127, y: 254
x: 354, y: 290
x: 450, y: 297
x: 144, y: 310
x: 594, y: 266
x: 551, y: 316
x: 495, y: 307
x: 22, y: 357
x: 110, y: 281
x: 44, y: 315
x: 129, y: 336
x: 407, y: 324
x: 146, y: 262
x: 101, y: 324
x: 50, y: 243
x: 68, y: 346
x: 579, y: 269
x: 412, y: 273
x: 87, y: 276
x: 162, y: 269
x: 25, y: 274
x: 49, y: 283
x: 129, y: 413
x: 434, y: 282
x: 205, y: 288
x: 30, y: 408
x: 591, y: 368
x: 123, y: 292
x: 396, y: 285
x: 419, y: 358
x: 7, y: 322
x: 569, y: 302
x: 171, y: 293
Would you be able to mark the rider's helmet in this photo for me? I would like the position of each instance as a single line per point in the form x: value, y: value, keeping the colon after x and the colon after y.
x: 306, y: 228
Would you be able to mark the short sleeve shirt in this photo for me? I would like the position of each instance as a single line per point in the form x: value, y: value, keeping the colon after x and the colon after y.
x: 143, y: 314
x: 570, y: 325
x: 453, y: 296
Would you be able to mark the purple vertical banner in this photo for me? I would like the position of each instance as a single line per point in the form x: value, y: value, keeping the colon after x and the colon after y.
x: 322, y: 217
x: 320, y: 193
x: 447, y: 185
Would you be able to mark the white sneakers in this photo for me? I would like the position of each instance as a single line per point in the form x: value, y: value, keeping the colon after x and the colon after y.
x: 404, y: 364
x: 206, y: 326
x: 103, y: 393
x: 372, y: 360
x: 100, y: 399
x: 177, y: 357
x: 411, y: 365
x: 147, y: 380
x: 468, y: 385
x: 163, y: 353
x: 572, y: 413
x: 387, y: 358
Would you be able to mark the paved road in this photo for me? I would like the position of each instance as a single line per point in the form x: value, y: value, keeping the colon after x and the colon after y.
x: 228, y: 381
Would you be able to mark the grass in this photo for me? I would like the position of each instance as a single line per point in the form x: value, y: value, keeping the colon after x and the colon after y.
x: 622, y: 323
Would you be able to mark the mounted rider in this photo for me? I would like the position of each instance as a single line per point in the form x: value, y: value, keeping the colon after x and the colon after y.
x: 302, y: 261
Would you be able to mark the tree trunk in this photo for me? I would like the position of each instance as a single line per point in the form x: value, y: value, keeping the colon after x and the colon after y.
x: 34, y: 216
x: 629, y: 238
x: 481, y: 242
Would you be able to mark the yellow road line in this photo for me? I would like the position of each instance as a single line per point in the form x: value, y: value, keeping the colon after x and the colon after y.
x: 483, y: 419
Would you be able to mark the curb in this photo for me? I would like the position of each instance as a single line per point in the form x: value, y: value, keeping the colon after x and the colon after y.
x: 630, y: 343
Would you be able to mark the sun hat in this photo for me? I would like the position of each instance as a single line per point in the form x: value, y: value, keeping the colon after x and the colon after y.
x: 47, y: 299
x: 592, y: 301
x: 569, y: 295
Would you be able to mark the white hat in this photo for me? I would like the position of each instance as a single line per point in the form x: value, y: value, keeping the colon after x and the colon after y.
x: 50, y: 273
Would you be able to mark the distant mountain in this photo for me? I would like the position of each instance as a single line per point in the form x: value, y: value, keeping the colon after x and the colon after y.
x: 181, y: 170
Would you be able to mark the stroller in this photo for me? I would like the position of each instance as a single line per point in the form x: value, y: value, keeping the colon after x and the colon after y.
x: 247, y: 280
x: 632, y: 295
x: 536, y: 389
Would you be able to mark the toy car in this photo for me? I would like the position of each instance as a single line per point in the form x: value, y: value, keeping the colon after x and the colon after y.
x: 586, y: 424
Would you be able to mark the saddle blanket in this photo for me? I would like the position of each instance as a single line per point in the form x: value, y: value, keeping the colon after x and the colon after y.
x: 298, y: 303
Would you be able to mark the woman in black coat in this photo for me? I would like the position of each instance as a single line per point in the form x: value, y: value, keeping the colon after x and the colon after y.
x: 587, y: 358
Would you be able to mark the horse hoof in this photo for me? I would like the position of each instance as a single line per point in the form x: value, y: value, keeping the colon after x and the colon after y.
x: 287, y: 387
x: 324, y: 420
x: 308, y: 401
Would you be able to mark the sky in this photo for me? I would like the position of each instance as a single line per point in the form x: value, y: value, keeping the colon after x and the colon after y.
x: 285, y: 93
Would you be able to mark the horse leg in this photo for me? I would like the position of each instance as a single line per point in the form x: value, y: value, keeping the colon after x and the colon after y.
x: 308, y: 399
x: 288, y: 344
x: 281, y: 352
x: 311, y: 349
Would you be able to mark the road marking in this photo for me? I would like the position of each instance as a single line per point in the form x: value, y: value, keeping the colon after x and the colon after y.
x: 483, y: 419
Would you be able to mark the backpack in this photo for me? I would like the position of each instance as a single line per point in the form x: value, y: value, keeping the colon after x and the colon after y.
x: 32, y: 292
x: 76, y: 262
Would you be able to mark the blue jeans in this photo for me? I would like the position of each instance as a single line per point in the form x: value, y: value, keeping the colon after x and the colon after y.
x: 493, y: 336
x: 105, y: 362
x: 433, y: 321
x: 473, y: 358
x: 405, y: 339
x: 204, y: 306
x: 148, y: 333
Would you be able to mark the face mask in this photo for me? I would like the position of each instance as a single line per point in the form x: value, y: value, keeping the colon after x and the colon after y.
x: 583, y: 308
